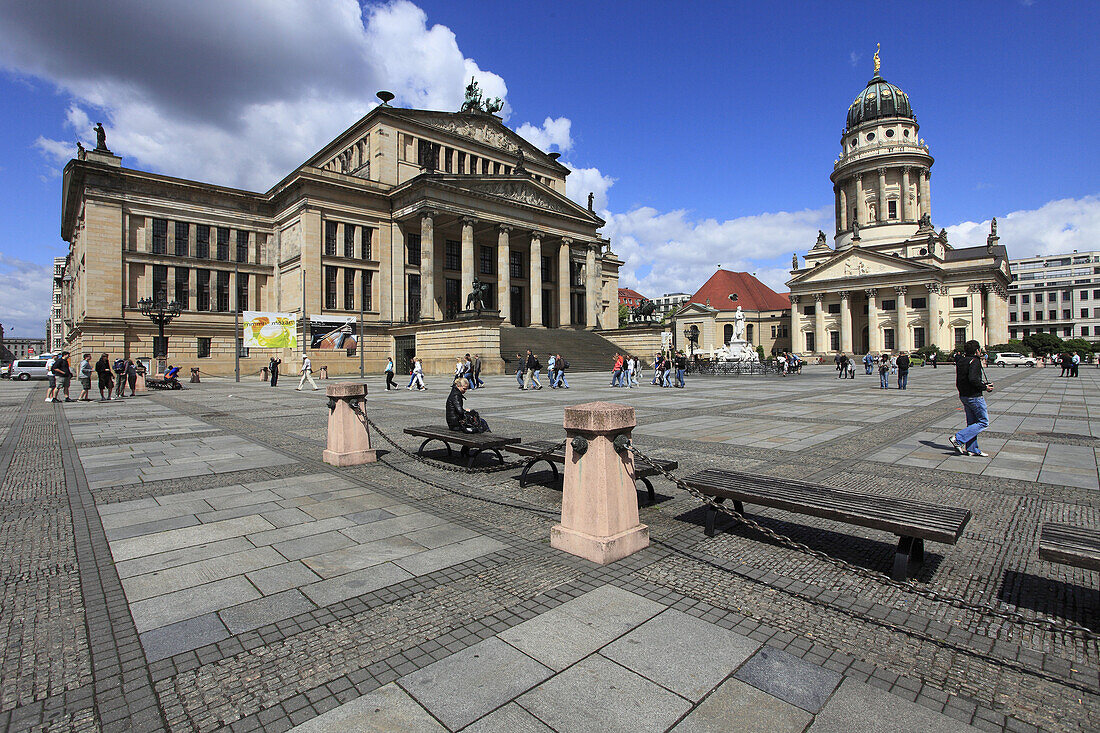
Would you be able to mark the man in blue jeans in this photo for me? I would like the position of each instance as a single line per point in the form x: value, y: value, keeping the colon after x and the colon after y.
x: 970, y: 381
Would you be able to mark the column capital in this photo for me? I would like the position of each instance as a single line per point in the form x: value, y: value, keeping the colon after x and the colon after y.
x: 881, y: 170
x: 506, y: 228
x: 536, y: 234
x: 871, y: 292
x: 901, y: 289
x: 427, y: 214
x: 794, y: 299
x: 468, y: 221
x: 819, y: 297
x: 932, y: 287
x: 974, y: 288
x: 906, y: 168
x: 845, y: 294
x: 566, y: 241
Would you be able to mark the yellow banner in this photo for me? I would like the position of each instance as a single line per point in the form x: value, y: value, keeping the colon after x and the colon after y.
x: 270, y: 330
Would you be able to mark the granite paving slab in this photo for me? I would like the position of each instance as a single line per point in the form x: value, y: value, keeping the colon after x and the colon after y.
x: 385, y: 710
x: 789, y: 678
x: 736, y: 706
x: 860, y: 708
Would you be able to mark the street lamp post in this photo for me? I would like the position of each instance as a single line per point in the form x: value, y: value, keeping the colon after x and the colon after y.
x: 160, y: 313
x: 359, y: 342
x: 237, y: 322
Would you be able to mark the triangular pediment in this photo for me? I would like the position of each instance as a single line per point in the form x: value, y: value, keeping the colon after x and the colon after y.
x: 695, y: 309
x: 481, y: 128
x: 523, y: 191
x: 857, y: 263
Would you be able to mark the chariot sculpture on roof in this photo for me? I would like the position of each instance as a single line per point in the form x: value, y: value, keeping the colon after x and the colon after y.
x: 475, y: 103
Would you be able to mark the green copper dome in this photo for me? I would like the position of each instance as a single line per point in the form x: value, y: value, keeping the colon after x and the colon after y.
x: 879, y: 99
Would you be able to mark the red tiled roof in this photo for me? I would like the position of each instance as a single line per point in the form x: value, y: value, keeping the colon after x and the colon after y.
x: 752, y: 295
x: 629, y: 293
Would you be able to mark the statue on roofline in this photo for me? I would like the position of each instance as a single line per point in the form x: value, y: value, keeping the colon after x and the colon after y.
x: 475, y: 103
x: 100, y: 137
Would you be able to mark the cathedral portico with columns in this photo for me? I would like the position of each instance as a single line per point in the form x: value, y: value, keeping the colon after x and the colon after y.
x: 890, y: 281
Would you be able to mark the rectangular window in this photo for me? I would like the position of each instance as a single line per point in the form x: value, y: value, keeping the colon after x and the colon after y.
x: 452, y: 255
x: 368, y: 290
x: 1096, y: 312
x: 920, y: 302
x: 182, y: 296
x: 1039, y: 297
x: 1012, y: 317
x: 242, y: 246
x: 892, y: 209
x: 833, y: 307
x: 160, y: 236
x: 809, y: 310
x: 412, y: 248
x: 223, y: 244
x: 202, y: 241
x: 182, y: 231
x: 1012, y: 300
x: 1026, y: 316
x: 202, y: 290
x: 1096, y: 294
x: 1084, y: 330
x: 349, y: 240
x: 451, y: 299
x: 330, y: 239
x: 1053, y: 315
x: 1012, y: 333
x: 888, y: 339
x: 160, y: 284
x: 413, y: 299
x: 223, y: 292
x: 1084, y: 295
x: 918, y: 338
x: 368, y: 239
x: 960, y: 337
x: 1025, y: 299
x: 1027, y: 332
x: 773, y: 331
x: 961, y: 302
x: 203, y: 347
x: 1067, y: 331
x: 515, y: 264
x: 1067, y: 295
x: 488, y: 260
x: 548, y: 268
x: 1038, y: 315
x: 242, y: 292
x: 1084, y: 313
x: 889, y: 305
x: 834, y: 340
x: 349, y: 290
x: 810, y: 341
x: 330, y: 288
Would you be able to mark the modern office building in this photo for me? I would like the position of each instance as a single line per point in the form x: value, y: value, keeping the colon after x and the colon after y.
x: 1057, y: 294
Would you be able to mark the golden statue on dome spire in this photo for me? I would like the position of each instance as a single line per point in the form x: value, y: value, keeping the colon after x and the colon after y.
x: 878, y: 63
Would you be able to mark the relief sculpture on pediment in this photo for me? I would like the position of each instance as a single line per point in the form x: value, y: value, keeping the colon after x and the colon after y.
x: 523, y: 193
x: 473, y: 129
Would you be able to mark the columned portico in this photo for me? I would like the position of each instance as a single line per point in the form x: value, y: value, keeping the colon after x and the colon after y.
x: 935, y: 320
x: 504, y: 275
x: 535, y: 280
x: 874, y: 340
x: 821, y: 344
x: 903, y: 341
x: 428, y: 307
x: 796, y: 325
x: 845, y: 322
x: 977, y: 329
x: 467, y: 262
x: 565, y: 256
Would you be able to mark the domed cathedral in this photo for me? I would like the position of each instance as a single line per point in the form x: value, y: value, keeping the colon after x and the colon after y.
x: 890, y: 281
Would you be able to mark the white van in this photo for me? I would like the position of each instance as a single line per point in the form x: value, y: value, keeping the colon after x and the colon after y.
x: 24, y: 369
x: 1009, y: 358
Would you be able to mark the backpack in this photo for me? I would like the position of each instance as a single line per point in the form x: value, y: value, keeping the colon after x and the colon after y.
x: 563, y: 363
x: 120, y: 366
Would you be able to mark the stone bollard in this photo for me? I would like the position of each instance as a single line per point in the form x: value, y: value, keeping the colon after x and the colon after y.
x: 194, y: 375
x: 348, y: 438
x: 599, y: 507
x: 139, y: 385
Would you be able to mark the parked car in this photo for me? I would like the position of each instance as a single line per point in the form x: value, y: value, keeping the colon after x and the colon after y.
x: 916, y: 360
x: 1009, y: 358
x: 24, y: 369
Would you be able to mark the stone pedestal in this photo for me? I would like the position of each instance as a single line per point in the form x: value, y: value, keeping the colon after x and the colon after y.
x: 599, y: 508
x: 348, y: 438
x: 139, y: 385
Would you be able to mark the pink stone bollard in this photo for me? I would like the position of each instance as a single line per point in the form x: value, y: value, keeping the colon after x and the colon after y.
x: 139, y: 385
x: 348, y: 438
x: 599, y: 507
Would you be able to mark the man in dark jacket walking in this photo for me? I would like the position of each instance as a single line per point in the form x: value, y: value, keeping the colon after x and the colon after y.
x: 903, y: 370
x: 971, y: 384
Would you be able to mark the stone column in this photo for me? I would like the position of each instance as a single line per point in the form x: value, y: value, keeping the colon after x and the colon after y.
x: 844, y: 225
x: 820, y: 342
x: 874, y: 343
x: 504, y: 273
x: 427, y: 268
x: 903, y: 207
x: 591, y: 286
x: 467, y: 259
x: 599, y: 506
x: 903, y: 342
x: 535, y: 279
x: 836, y: 206
x: 339, y: 288
x: 925, y: 193
x: 883, y: 215
x: 564, y: 286
x: 861, y: 201
x: 990, y: 314
x: 845, y: 322
x: 796, y: 325
x: 976, y: 329
x: 933, y: 314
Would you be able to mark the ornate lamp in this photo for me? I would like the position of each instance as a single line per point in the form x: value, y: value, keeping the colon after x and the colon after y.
x: 160, y: 313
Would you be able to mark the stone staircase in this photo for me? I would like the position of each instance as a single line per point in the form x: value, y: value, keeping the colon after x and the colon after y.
x: 586, y: 351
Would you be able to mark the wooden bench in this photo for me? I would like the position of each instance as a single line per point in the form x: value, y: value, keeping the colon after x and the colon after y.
x: 472, y: 443
x: 1069, y: 545
x: 642, y: 470
x: 912, y: 521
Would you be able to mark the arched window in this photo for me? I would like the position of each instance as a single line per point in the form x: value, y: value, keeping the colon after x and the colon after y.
x: 727, y: 333
x: 748, y: 332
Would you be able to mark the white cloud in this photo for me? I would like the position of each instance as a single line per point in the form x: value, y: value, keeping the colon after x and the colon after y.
x: 854, y: 58
x: 669, y: 252
x: 582, y: 181
x: 26, y: 291
x: 553, y: 133
x: 233, y: 93
x: 1058, y: 226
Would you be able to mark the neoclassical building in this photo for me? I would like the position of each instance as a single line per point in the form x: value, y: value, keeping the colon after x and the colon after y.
x: 394, y: 219
x: 890, y: 281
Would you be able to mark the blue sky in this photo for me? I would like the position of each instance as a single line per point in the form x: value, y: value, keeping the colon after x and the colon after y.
x: 707, y: 130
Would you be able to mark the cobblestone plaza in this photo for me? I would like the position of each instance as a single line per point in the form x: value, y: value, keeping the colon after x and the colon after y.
x: 185, y: 561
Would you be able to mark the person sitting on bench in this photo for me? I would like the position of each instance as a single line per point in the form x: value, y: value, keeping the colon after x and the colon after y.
x: 459, y: 418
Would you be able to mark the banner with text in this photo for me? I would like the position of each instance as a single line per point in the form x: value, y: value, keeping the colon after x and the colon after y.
x: 270, y: 330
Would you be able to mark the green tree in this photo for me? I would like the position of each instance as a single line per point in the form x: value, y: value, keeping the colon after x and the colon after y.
x: 624, y: 314
x: 1079, y: 345
x: 1043, y: 344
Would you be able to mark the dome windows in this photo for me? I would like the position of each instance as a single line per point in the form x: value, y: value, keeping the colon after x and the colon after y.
x: 870, y: 136
x: 889, y: 133
x: 905, y: 133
